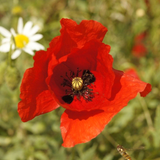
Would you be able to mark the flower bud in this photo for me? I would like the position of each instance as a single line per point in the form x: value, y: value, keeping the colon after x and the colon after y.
x: 3, y: 67
x: 12, y: 77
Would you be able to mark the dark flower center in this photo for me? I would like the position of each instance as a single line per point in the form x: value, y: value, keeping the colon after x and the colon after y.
x: 78, y: 86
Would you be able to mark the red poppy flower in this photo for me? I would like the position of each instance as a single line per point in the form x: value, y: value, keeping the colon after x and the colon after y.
x: 139, y: 49
x: 140, y: 37
x: 76, y: 73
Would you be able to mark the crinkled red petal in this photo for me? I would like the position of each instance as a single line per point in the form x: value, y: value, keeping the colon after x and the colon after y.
x: 104, y: 66
x: 75, y: 36
x: 35, y: 97
x: 132, y: 72
x: 81, y: 127
x: 86, y: 31
x: 125, y: 88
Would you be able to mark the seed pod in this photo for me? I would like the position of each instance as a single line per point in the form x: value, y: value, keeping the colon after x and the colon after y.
x: 77, y: 83
x: 3, y: 67
x: 12, y: 77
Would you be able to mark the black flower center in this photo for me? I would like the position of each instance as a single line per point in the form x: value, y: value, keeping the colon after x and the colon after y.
x: 78, y: 86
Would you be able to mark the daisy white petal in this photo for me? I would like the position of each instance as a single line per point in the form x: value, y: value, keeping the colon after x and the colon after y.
x: 5, y: 32
x: 6, y: 40
x: 33, y: 30
x: 13, y: 47
x: 20, y: 25
x: 35, y: 46
x: 5, y: 47
x: 29, y: 51
x: 13, y: 32
x: 36, y: 37
x: 16, y: 53
x: 27, y: 27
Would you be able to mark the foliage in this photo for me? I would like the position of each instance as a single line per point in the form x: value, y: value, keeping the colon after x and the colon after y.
x: 136, y: 126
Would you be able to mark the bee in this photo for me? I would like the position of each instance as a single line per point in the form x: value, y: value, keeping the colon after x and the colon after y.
x: 123, y: 152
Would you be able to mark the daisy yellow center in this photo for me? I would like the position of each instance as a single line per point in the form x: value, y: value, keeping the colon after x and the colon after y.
x: 17, y: 10
x: 21, y: 40
x: 77, y: 83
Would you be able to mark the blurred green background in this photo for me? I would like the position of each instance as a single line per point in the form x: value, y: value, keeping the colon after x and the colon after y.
x: 136, y: 127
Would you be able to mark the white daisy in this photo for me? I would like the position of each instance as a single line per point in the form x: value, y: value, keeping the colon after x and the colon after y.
x: 5, y: 42
x: 25, y: 39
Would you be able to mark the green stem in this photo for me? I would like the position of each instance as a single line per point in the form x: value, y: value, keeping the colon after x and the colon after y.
x: 9, y: 56
x: 10, y: 52
x: 109, y: 138
x: 73, y: 153
x: 146, y: 113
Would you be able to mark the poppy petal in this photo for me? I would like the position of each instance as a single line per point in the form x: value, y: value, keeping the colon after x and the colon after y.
x: 125, y: 88
x: 86, y: 31
x: 33, y: 88
x: 75, y: 36
x: 44, y: 104
x: 81, y: 127
x: 132, y: 72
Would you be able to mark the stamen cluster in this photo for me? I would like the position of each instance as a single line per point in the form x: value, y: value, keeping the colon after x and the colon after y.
x: 83, y: 90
